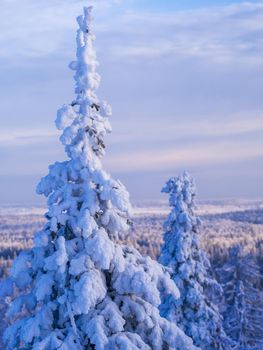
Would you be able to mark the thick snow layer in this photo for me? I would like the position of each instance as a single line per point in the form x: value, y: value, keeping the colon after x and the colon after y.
x: 194, y: 312
x: 78, y: 287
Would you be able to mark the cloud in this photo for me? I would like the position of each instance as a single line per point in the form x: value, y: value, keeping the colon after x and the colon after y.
x: 201, y: 155
x: 26, y: 137
x: 221, y: 35
x: 27, y: 26
x: 229, y: 34
x: 181, y: 129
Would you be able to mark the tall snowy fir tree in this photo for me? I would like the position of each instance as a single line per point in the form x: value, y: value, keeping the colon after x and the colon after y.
x: 243, y: 304
x: 77, y: 288
x: 193, y: 312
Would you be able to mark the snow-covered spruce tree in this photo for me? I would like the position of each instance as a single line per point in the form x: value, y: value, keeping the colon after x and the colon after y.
x: 78, y: 288
x: 243, y: 304
x: 193, y: 312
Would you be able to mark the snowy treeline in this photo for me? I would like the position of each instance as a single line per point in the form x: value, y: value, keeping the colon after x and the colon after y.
x: 254, y: 216
x: 82, y: 284
x: 217, y: 234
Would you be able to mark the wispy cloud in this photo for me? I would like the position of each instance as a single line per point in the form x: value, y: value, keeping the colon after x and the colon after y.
x: 156, y: 159
x: 234, y: 125
x: 222, y: 35
x: 27, y: 26
x: 13, y: 138
x: 180, y: 129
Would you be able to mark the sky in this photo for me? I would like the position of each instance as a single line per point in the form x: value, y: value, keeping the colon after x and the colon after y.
x: 184, y: 79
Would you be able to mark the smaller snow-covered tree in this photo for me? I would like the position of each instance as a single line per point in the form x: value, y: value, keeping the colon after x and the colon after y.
x: 243, y: 306
x: 193, y: 312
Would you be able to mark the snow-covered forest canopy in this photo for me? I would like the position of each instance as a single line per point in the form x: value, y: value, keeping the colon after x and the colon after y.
x: 91, y: 274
